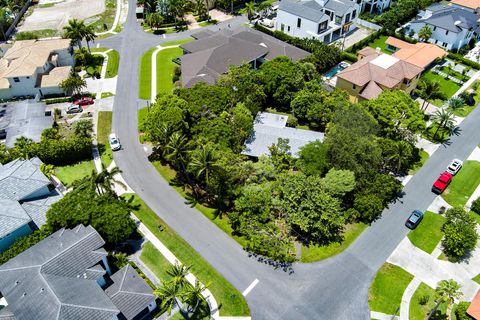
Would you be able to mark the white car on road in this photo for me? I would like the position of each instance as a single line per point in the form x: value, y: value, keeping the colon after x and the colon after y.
x: 454, y: 166
x: 114, y: 142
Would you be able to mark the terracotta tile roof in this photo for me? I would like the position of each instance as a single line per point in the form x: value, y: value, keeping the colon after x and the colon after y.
x: 474, y: 308
x: 419, y: 54
x: 472, y: 4
x: 371, y: 91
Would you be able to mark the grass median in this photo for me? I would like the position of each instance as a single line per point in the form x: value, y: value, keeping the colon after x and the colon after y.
x: 145, y: 79
x: 230, y: 300
x: 428, y: 233
x: 104, y: 127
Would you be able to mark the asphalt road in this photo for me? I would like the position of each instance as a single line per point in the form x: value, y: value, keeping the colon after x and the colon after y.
x: 333, y: 289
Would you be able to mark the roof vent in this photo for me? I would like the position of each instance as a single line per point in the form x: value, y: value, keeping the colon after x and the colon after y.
x: 84, y: 276
x: 42, y: 289
x: 17, y: 282
x: 24, y: 294
x: 458, y: 22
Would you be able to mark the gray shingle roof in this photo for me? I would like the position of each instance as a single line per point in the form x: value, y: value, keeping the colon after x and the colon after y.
x: 309, y: 10
x: 129, y: 292
x: 50, y: 280
x: 340, y: 7
x: 447, y: 19
x: 212, y: 56
x: 269, y: 127
x: 12, y: 217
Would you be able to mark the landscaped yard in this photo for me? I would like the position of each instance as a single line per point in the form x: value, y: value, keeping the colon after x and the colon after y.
x: 106, y: 18
x: 423, y: 158
x: 463, y: 184
x: 386, y: 291
x: 465, y: 111
x: 380, y: 43
x: 165, y: 69
x: 428, y: 233
x: 447, y: 86
x: 104, y: 128
x: 177, y: 42
x: 145, y: 79
x: 112, y: 66
x: 316, y: 253
x: 437, y: 136
x: 68, y: 174
x: 420, y: 307
x: 230, y: 300
x: 155, y: 261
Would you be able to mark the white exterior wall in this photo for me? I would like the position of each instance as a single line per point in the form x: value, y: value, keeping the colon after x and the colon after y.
x: 65, y: 58
x: 453, y: 40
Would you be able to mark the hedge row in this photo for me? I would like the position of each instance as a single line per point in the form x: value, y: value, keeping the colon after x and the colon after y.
x: 461, y: 59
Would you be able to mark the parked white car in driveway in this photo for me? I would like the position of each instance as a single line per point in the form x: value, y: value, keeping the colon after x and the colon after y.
x: 454, y: 166
x: 114, y: 142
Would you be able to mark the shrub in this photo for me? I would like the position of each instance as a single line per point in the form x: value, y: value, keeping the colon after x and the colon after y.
x: 349, y: 56
x: 292, y: 121
x: 476, y: 206
x: 459, y: 58
x: 461, y: 311
x: 424, y: 300
x: 460, y: 233
x: 177, y: 70
x: 26, y: 35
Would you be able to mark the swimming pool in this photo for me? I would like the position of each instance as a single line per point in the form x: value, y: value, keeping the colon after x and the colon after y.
x: 332, y: 72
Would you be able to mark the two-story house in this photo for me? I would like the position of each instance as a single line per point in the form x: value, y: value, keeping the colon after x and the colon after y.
x: 375, y: 72
x: 67, y: 276
x: 452, y: 27
x: 35, y: 67
x: 325, y: 20
x: 375, y: 6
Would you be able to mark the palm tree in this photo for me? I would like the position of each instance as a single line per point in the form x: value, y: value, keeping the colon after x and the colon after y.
x: 402, y: 153
x: 446, y: 291
x: 88, y: 34
x: 193, y: 296
x: 456, y: 103
x: 73, y: 84
x: 168, y: 294
x: 250, y: 7
x: 176, y: 150
x: 178, y: 272
x: 201, y: 8
x: 74, y: 30
x: 154, y: 20
x: 444, y: 119
x: 428, y: 89
x: 425, y: 33
x: 203, y: 162
x: 105, y: 180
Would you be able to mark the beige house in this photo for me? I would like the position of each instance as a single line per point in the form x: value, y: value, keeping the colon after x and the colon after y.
x: 375, y: 72
x: 35, y: 67
x: 420, y: 54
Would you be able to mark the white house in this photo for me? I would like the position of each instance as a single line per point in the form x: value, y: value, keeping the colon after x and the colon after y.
x: 452, y: 27
x: 375, y: 6
x: 325, y: 20
x: 34, y: 67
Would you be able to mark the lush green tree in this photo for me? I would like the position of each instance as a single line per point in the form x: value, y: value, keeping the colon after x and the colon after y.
x: 241, y: 120
x: 23, y: 243
x: 399, y: 156
x: 154, y: 20
x: 394, y: 111
x: 281, y: 156
x: 461, y: 311
x: 446, y: 292
x: 74, y: 31
x: 203, y: 162
x: 313, y: 158
x: 476, y: 206
x: 25, y: 148
x: 338, y: 182
x: 460, y: 234
x: 193, y: 296
x: 310, y: 209
x: 425, y: 33
x: 444, y: 119
x: 168, y: 293
x: 384, y: 186
x: 64, y: 151
x: 73, y: 84
x: 47, y: 169
x: 83, y: 128
x: 176, y: 151
x: 368, y: 206
x: 456, y: 103
x: 250, y: 8
x: 429, y: 90
x: 201, y: 8
x: 88, y: 35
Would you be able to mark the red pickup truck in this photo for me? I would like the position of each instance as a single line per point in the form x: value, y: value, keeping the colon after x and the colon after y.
x: 442, y: 182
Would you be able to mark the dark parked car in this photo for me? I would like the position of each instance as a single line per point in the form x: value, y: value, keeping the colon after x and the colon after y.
x: 414, y: 219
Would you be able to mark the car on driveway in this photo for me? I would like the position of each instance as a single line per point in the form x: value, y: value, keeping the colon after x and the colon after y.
x: 114, y: 142
x: 414, y: 219
x: 442, y: 182
x: 455, y: 166
x: 84, y: 101
x: 74, y: 108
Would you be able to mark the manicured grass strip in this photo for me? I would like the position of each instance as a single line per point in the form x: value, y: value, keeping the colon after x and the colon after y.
x: 142, y: 117
x: 475, y: 215
x: 463, y: 184
x: 447, y: 86
x: 145, y: 80
x: 477, y: 279
x: 155, y: 261
x: 420, y: 307
x: 68, y: 174
x: 112, y: 66
x: 428, y: 233
x: 165, y: 69
x: 106, y: 95
x: 380, y: 43
x: 386, y: 291
x: 423, y: 158
x: 104, y: 128
x: 317, y: 253
x: 230, y: 299
x: 222, y: 222
x: 177, y: 42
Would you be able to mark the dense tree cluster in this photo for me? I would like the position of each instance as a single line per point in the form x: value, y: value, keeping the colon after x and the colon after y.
x: 400, y: 12
x: 279, y: 199
x: 460, y: 233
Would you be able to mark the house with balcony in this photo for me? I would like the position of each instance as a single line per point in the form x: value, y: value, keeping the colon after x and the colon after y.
x: 324, y: 20
x: 35, y: 67
x: 67, y: 276
x: 375, y: 6
x: 452, y: 26
x: 26, y: 194
x: 375, y: 72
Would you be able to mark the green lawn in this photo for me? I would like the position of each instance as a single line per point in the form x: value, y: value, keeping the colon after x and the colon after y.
x: 419, y: 311
x: 112, y: 66
x: 230, y: 300
x: 155, y: 261
x: 40, y: 34
x: 428, y: 233
x: 463, y: 184
x: 104, y: 128
x: 96, y: 66
x: 380, y: 43
x: 68, y: 174
x: 177, y: 42
x: 142, y: 116
x: 423, y: 158
x: 165, y: 69
x: 477, y: 279
x: 448, y: 86
x: 316, y: 253
x: 145, y: 79
x: 440, y: 136
x: 386, y: 291
x: 476, y: 216
x: 465, y: 111
x: 222, y: 222
x: 106, y: 95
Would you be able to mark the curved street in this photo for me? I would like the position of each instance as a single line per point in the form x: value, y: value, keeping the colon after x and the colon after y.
x: 333, y: 289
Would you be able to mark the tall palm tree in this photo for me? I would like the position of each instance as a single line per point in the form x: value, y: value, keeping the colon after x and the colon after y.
x: 168, y: 294
x: 105, y: 180
x: 73, y: 84
x: 178, y: 272
x: 193, y: 296
x: 425, y: 33
x: 446, y: 291
x: 444, y: 119
x: 154, y: 20
x: 250, y: 7
x: 403, y: 152
x: 176, y: 150
x: 88, y: 34
x: 203, y: 162
x: 74, y: 30
x: 428, y: 89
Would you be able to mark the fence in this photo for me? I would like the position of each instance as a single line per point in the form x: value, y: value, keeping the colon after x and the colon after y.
x: 367, y: 24
x: 17, y: 19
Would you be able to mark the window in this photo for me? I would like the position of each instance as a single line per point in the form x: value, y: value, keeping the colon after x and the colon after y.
x: 445, y: 44
x: 347, y: 18
x: 354, y: 86
x: 299, y: 23
x: 16, y: 79
x: 288, y: 28
x: 322, y: 26
x: 354, y: 14
x: 436, y: 41
x: 28, y: 77
x: 282, y: 27
x: 446, y: 32
x: 338, y: 19
x: 434, y: 28
x: 406, y: 81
